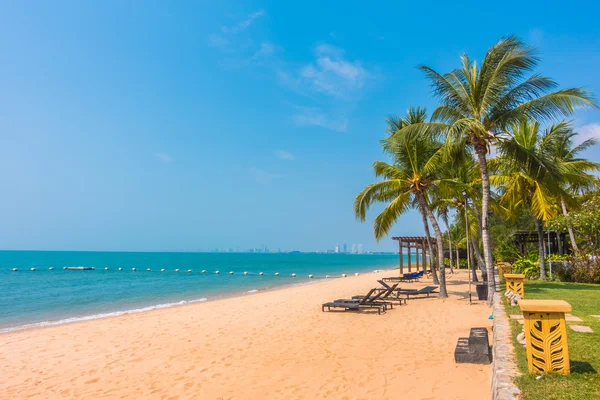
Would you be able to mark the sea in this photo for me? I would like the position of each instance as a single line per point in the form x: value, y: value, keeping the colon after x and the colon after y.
x: 51, y: 295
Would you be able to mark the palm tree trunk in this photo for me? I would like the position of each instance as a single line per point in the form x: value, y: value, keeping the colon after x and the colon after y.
x: 569, y: 227
x: 480, y: 260
x: 477, y: 255
x: 429, y: 245
x: 540, y: 231
x: 485, y: 234
x: 445, y: 218
x: 457, y: 258
x: 439, y: 245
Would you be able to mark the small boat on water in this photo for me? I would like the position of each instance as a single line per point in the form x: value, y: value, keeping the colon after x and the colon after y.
x: 78, y: 268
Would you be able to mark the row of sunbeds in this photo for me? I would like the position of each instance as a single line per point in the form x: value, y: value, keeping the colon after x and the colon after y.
x: 380, y: 298
x: 410, y: 277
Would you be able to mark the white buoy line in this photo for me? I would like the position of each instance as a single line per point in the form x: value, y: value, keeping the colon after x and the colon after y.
x: 189, y: 271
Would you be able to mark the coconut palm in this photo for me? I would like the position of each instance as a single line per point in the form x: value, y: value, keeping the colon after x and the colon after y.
x: 415, y: 115
x: 478, y: 102
x: 407, y: 180
x: 527, y: 176
x: 575, y: 171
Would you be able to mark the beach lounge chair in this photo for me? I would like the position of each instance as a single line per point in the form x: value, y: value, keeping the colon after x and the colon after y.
x: 387, y: 297
x: 425, y: 292
x: 370, y: 301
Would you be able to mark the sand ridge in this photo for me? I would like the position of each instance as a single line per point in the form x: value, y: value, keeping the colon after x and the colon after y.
x: 268, y: 345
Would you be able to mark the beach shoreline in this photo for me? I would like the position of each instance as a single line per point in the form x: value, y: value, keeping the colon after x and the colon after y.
x: 273, y: 344
x: 180, y: 303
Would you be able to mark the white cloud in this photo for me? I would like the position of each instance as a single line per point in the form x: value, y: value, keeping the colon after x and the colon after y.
x: 285, y: 155
x: 163, y: 157
x: 588, y: 131
x: 266, y: 49
x: 263, y: 177
x: 329, y: 74
x: 242, y: 26
x: 316, y: 117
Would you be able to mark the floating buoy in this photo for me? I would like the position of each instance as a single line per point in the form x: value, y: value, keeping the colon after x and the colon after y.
x: 245, y: 273
x: 276, y: 273
x: 133, y: 269
x: 344, y: 275
x: 162, y: 270
x: 189, y: 270
x: 50, y: 269
x: 203, y: 271
x: 310, y: 276
x: 120, y: 269
x: 148, y: 270
x: 14, y: 269
x: 217, y: 272
x: 32, y: 269
x: 176, y: 270
x: 260, y: 273
x: 293, y: 275
x: 230, y: 272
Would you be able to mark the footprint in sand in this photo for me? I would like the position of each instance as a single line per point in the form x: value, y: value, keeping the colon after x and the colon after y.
x: 91, y: 381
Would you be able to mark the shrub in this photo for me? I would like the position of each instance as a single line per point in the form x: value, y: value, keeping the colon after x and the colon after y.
x: 528, y: 265
x: 506, y: 251
x: 585, y: 270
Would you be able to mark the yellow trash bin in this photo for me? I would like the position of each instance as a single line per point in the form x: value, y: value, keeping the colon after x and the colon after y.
x: 514, y: 283
x: 546, y: 335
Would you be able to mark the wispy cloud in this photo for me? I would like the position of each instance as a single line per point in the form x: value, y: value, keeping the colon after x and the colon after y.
x: 589, y: 131
x: 285, y: 155
x: 163, y: 157
x: 266, y: 49
x: 330, y: 74
x: 263, y: 177
x: 242, y: 26
x: 316, y: 117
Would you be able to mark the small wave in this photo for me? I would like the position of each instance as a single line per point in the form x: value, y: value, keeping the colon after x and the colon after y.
x: 252, y: 291
x: 99, y: 316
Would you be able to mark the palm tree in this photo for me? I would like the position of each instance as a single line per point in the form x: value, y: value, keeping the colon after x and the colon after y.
x: 527, y: 176
x: 478, y: 103
x: 575, y: 170
x: 414, y: 115
x: 407, y: 180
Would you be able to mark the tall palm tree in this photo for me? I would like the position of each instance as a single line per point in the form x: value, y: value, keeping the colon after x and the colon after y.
x: 407, y: 180
x: 527, y: 176
x: 415, y: 115
x: 575, y: 170
x: 478, y: 103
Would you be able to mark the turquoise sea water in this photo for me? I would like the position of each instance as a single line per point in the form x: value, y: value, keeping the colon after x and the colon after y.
x: 46, y: 297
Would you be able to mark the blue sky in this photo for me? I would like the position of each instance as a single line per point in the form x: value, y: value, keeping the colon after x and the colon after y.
x: 189, y: 126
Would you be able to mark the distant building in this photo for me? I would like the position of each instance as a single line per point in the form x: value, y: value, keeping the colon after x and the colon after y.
x: 337, y: 248
x: 345, y: 248
x: 360, y: 249
x: 354, y: 249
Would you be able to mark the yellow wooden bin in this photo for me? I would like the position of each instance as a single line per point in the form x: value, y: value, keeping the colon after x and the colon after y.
x: 514, y: 283
x: 546, y: 335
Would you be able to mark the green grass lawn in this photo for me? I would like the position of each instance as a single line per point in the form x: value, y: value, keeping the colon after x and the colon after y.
x: 584, y: 348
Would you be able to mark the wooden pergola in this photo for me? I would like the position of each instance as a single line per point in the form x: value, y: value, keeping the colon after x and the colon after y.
x: 558, y: 241
x: 414, y: 242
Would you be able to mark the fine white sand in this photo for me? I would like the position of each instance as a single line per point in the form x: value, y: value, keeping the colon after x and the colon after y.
x: 270, y: 345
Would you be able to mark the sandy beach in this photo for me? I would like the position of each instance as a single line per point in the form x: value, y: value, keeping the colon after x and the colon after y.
x: 269, y: 345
